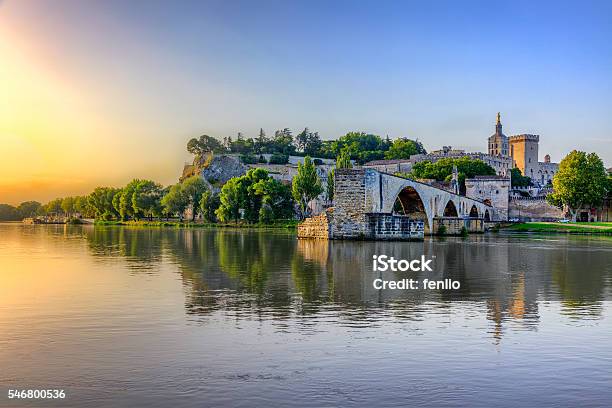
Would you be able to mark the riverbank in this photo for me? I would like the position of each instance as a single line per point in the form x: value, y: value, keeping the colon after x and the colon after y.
x: 604, y: 228
x: 282, y: 224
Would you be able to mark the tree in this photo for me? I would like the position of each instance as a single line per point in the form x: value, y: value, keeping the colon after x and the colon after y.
x: 193, y: 188
x: 175, y: 201
x: 146, y: 199
x: 53, y: 207
x: 203, y: 145
x: 100, y: 201
x: 261, y: 142
x: 308, y: 142
x: 343, y: 161
x: 68, y: 205
x: 580, y: 182
x: 231, y: 198
x: 330, y: 185
x: 126, y: 199
x: 29, y: 209
x: 306, y: 184
x: 208, y: 205
x: 403, y: 148
x: 81, y: 205
x: 9, y: 213
x: 273, y: 199
x: 518, y: 180
x: 360, y: 146
x: 279, y: 158
x: 283, y: 142
x: 256, y: 196
x: 442, y: 170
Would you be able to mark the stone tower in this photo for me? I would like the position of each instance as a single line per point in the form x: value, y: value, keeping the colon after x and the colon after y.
x: 455, y: 180
x: 524, y: 151
x: 498, y: 142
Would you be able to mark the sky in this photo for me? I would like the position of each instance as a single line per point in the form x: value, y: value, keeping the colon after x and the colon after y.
x: 95, y: 93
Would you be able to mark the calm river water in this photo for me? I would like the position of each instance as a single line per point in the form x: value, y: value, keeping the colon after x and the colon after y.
x: 122, y: 317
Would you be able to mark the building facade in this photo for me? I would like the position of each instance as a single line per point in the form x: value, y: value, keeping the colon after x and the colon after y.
x: 492, y: 190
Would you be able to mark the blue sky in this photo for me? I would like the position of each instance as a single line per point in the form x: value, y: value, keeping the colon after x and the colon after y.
x: 162, y: 72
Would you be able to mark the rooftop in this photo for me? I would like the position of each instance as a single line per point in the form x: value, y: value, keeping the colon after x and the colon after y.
x: 383, y: 162
x: 490, y: 178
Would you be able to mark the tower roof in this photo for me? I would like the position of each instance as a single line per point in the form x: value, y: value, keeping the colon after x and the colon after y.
x: 498, y: 128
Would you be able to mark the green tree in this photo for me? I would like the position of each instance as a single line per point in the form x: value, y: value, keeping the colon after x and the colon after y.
x: 29, y: 209
x: 306, y: 184
x: 208, y: 205
x: 81, y: 206
x: 580, y: 182
x: 442, y: 169
x: 100, y: 201
x: 231, y: 198
x: 203, y: 145
x: 283, y: 142
x: 403, y: 148
x: 126, y: 201
x: 308, y: 142
x: 193, y: 187
x: 146, y: 199
x: 175, y: 201
x: 252, y: 192
x: 360, y: 146
x: 9, y: 213
x: 275, y: 198
x: 330, y: 185
x: 53, y: 207
x: 518, y: 180
x: 343, y: 161
x: 261, y: 142
x: 68, y: 205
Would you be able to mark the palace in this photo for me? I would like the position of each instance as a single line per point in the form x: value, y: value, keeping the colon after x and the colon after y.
x: 523, y: 150
x: 504, y: 153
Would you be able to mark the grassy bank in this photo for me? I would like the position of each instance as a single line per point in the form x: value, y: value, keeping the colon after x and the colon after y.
x: 281, y: 224
x: 559, y: 228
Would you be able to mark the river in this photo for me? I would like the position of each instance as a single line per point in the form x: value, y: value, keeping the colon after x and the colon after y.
x: 158, y: 317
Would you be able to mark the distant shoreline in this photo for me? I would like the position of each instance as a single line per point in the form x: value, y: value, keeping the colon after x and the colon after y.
x: 289, y: 225
x: 587, y: 228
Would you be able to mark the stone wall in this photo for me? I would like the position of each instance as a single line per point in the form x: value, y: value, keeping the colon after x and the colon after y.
x: 495, y: 189
x: 454, y: 225
x: 394, y: 227
x: 349, y: 204
x: 533, y: 209
x: 317, y: 227
x: 379, y: 226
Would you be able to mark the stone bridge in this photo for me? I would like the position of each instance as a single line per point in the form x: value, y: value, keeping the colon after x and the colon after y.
x: 373, y: 205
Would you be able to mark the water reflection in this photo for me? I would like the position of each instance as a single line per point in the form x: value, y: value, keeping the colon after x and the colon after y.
x: 272, y: 275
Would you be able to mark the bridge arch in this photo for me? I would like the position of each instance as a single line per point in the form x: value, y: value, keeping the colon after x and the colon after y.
x: 474, y: 212
x: 450, y: 210
x: 487, y: 216
x: 409, y: 202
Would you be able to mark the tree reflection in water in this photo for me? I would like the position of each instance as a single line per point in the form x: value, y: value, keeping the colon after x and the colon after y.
x: 272, y: 275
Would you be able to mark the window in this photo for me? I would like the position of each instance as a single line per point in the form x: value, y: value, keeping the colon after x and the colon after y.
x: 496, y: 191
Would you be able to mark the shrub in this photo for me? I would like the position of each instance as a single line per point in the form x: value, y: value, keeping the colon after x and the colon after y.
x: 463, y: 232
x: 248, y: 159
x: 278, y: 158
x: 442, y: 230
